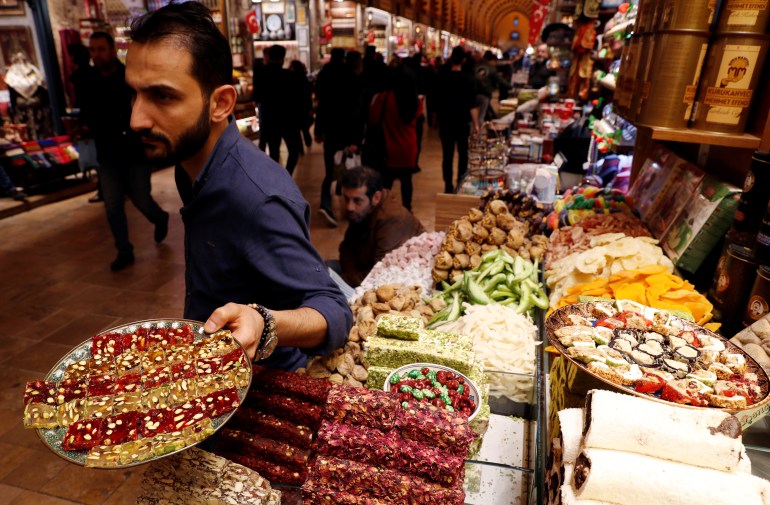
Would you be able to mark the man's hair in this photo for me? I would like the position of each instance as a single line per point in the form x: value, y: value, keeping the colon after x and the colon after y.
x: 337, y: 55
x: 458, y: 55
x: 363, y: 176
x: 489, y: 55
x: 189, y: 25
x: 104, y: 36
x: 276, y: 53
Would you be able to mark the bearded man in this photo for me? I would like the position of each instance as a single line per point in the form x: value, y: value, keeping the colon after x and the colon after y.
x: 246, y: 223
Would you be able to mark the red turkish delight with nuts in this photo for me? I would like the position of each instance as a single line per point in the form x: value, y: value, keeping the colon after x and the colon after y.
x: 220, y: 402
x: 375, y: 409
x: 298, y: 411
x: 181, y: 335
x: 266, y: 425
x: 182, y: 353
x: 389, y: 449
x: 158, y: 337
x: 101, y: 364
x: 290, y: 384
x: 155, y: 421
x: 120, y: 428
x: 70, y: 389
x: 273, y: 472
x: 187, y: 414
x: 100, y: 385
x: 82, y: 435
x: 391, y: 485
x: 138, y: 340
x: 39, y: 391
x: 156, y: 377
x: 208, y: 366
x: 263, y: 448
x: 130, y: 383
x: 107, y: 343
x: 422, y: 422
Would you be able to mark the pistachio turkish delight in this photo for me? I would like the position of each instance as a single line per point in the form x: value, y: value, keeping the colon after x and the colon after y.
x: 400, y: 327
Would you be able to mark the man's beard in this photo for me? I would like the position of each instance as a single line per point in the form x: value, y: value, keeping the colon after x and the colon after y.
x: 189, y: 143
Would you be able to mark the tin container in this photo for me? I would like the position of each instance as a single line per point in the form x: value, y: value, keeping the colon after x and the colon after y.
x: 691, y: 15
x: 644, y: 66
x: 672, y: 81
x: 729, y: 83
x: 645, y: 16
x: 745, y: 16
x: 757, y: 305
x: 624, y: 90
x: 734, y: 277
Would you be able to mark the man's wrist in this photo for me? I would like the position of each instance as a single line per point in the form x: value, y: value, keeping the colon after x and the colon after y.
x: 268, y: 340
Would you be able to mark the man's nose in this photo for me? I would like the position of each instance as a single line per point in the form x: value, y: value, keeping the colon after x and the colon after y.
x: 140, y: 119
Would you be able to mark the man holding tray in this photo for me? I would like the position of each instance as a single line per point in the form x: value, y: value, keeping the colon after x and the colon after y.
x: 246, y: 222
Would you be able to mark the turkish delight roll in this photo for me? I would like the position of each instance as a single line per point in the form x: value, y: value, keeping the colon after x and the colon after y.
x: 297, y: 411
x: 290, y: 384
x: 259, y: 423
x: 705, y: 437
x: 317, y: 495
x: 422, y: 422
x: 570, y: 433
x: 263, y: 448
x: 396, y: 487
x: 375, y: 409
x: 391, y: 450
x: 605, y: 475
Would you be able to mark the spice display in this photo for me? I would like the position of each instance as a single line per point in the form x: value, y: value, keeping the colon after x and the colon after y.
x: 609, y: 254
x: 498, y: 279
x: 409, y: 264
x: 372, y: 482
x: 651, y: 285
x: 503, y: 341
x: 480, y: 232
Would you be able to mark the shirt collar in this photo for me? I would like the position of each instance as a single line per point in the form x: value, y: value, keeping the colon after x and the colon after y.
x: 225, y: 142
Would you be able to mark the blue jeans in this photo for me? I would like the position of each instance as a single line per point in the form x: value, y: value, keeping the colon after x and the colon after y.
x: 6, y: 184
x: 119, y: 179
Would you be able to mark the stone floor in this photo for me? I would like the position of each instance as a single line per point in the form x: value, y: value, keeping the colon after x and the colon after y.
x: 57, y: 291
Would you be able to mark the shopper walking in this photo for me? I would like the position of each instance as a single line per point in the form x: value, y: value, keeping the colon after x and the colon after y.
x: 395, y: 112
x: 246, y: 223
x: 338, y: 92
x: 457, y: 116
x: 306, y: 97
x: 123, y: 170
x: 283, y: 108
x: 487, y: 80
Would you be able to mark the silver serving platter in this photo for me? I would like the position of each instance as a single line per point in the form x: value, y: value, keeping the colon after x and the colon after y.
x: 52, y: 437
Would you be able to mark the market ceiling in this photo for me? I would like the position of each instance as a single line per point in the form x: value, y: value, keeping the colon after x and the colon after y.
x: 473, y: 19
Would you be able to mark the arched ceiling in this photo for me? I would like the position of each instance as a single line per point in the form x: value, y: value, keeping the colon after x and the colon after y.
x: 483, y: 15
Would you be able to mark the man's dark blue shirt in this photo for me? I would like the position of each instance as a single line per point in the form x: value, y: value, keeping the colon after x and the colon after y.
x: 247, y: 240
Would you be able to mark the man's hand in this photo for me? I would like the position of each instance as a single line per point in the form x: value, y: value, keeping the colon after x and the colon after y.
x: 245, y: 323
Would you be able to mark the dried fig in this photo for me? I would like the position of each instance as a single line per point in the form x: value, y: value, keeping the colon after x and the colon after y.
x: 360, y: 373
x: 336, y: 379
x: 386, y: 293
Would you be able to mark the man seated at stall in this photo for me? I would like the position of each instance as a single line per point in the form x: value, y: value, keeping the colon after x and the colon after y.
x: 378, y: 224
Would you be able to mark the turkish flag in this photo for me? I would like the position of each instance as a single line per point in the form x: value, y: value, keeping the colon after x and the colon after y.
x: 536, y: 21
x: 327, y: 30
x: 252, y: 21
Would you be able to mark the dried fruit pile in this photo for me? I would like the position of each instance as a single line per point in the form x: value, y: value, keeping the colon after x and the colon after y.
x: 479, y: 232
x: 345, y: 366
x: 141, y: 394
x: 372, y: 451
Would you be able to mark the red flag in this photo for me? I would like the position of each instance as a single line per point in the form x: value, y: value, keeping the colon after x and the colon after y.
x: 252, y: 21
x: 536, y: 21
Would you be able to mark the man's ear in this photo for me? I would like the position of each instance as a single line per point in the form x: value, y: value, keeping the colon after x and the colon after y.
x: 376, y: 198
x: 222, y: 103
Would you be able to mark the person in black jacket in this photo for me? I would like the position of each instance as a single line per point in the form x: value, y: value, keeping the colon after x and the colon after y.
x: 123, y: 169
x: 282, y: 111
x: 338, y: 92
x: 307, y: 100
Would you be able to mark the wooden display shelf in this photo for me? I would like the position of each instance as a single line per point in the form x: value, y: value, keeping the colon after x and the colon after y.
x: 451, y: 207
x: 740, y: 141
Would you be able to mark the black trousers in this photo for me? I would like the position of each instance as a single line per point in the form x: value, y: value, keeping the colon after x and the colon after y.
x: 293, y: 139
x: 454, y: 136
x: 389, y: 175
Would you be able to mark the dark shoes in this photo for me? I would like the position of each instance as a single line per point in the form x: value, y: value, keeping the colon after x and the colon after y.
x: 328, y: 216
x: 96, y: 198
x: 17, y: 195
x: 161, y: 229
x: 122, y: 261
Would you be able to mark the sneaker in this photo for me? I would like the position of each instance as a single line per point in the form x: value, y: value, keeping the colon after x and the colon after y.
x: 19, y: 196
x: 122, y: 261
x: 329, y: 216
x: 96, y: 198
x: 161, y: 229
